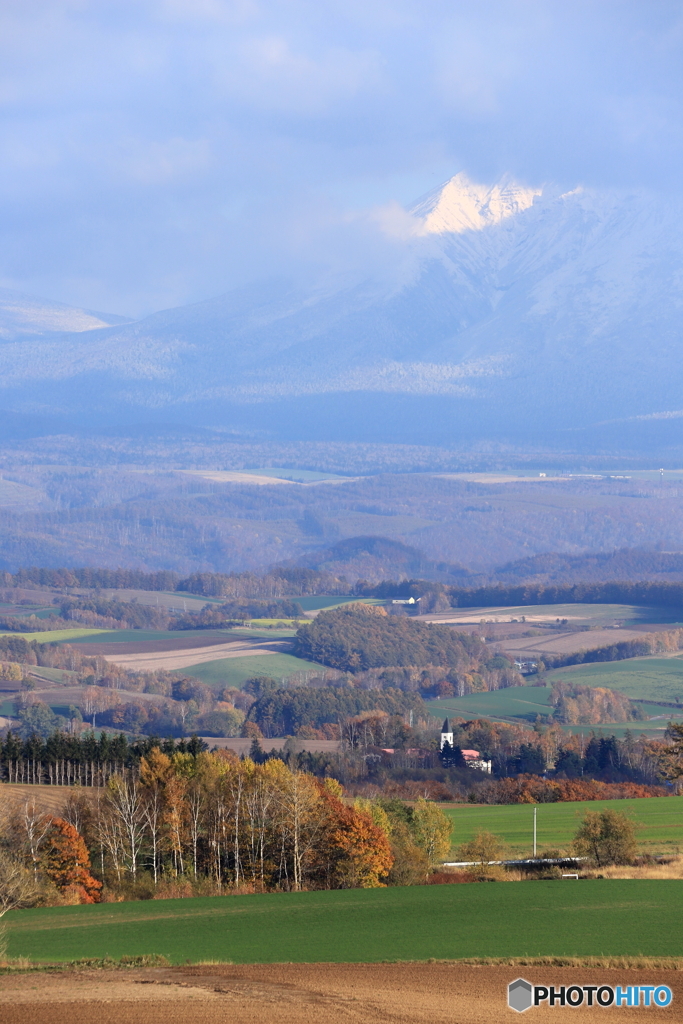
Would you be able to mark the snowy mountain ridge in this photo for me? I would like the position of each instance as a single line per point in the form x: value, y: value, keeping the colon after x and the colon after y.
x: 518, y: 312
x: 461, y: 205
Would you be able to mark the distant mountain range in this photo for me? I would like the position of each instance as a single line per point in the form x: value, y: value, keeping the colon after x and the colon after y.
x: 526, y: 315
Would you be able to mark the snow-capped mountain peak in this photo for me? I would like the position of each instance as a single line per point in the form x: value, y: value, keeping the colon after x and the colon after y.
x: 514, y: 312
x: 461, y: 205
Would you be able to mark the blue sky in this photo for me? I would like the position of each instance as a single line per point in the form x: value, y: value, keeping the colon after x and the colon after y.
x: 158, y: 152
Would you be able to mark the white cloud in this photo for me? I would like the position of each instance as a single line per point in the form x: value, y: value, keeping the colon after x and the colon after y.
x: 270, y: 72
x: 130, y: 127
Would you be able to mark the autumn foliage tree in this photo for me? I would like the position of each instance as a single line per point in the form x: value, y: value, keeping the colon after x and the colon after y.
x: 606, y: 837
x: 357, y: 853
x: 671, y: 756
x: 67, y: 863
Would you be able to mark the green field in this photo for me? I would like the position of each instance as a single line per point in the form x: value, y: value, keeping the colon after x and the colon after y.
x: 650, y: 679
x: 126, y: 636
x: 234, y: 671
x: 295, y: 623
x: 660, y: 818
x: 261, y: 632
x: 561, y: 918
x: 40, y: 611
x: 652, y: 730
x: 314, y: 604
x: 520, y: 702
x: 64, y: 635
x: 578, y: 614
x: 53, y: 675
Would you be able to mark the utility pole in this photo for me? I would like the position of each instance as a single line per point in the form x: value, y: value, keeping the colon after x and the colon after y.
x: 534, y: 831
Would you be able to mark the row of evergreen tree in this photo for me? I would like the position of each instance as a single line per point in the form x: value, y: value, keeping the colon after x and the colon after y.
x: 89, y: 748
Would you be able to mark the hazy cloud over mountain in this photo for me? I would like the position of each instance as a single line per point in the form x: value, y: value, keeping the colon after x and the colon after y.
x: 159, y: 152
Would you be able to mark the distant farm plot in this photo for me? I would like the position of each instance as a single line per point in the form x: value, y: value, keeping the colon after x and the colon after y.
x: 159, y: 656
x: 171, y: 600
x: 649, y: 679
x: 569, y: 643
x: 51, y: 675
x: 660, y: 820
x: 653, y: 729
x: 522, y: 704
x: 47, y: 798
x: 113, y: 648
x: 268, y: 633
x: 234, y: 671
x: 294, y: 623
x: 525, y: 702
x: 267, y: 476
x: 57, y: 635
x: 576, y: 614
x: 321, y: 601
x: 127, y: 636
x: 592, y: 918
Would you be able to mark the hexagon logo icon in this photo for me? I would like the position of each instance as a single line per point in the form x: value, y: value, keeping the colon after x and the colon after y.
x: 520, y: 995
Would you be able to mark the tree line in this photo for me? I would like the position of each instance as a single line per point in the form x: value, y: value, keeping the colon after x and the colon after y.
x: 660, y: 594
x: 281, y: 581
x: 91, y: 578
x: 293, y: 581
x: 284, y: 712
x: 212, y: 823
x: 231, y: 612
x: 88, y: 749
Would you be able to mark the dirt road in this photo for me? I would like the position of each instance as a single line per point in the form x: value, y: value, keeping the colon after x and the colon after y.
x: 417, y: 993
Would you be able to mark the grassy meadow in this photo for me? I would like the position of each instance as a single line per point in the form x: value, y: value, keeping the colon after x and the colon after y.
x: 540, y: 918
x: 56, y: 635
x: 650, y: 679
x: 521, y: 705
x: 235, y: 671
x: 319, y: 601
x: 659, y: 821
x: 523, y: 702
x: 127, y: 636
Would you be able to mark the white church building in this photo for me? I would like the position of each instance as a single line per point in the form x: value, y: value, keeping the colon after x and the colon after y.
x: 472, y: 757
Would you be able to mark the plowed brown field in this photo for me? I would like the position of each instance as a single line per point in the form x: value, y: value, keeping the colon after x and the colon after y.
x: 411, y: 993
x: 47, y: 798
x: 171, y: 660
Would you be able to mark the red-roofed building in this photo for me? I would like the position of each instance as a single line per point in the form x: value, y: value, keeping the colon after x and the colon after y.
x: 473, y: 760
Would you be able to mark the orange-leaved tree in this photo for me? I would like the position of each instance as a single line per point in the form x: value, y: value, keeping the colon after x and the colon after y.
x: 356, y: 853
x: 67, y: 862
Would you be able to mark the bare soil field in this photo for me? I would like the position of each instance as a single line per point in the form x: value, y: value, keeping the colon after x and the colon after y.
x: 569, y: 643
x: 74, y: 695
x: 193, y: 642
x: 230, y: 476
x: 48, y: 798
x: 404, y: 993
x: 151, y: 660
